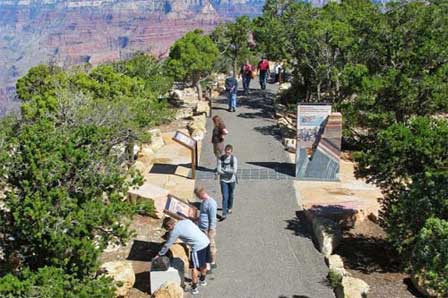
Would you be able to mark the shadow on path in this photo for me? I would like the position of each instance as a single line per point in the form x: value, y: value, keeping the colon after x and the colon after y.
x: 280, y: 167
x: 269, y: 130
x: 300, y: 226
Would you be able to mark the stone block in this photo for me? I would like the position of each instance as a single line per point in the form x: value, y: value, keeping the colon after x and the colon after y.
x: 352, y: 288
x: 151, y: 192
x: 123, y: 275
x: 180, y: 252
x: 184, y: 113
x: 336, y: 264
x: 169, y: 290
x: 328, y: 235
x: 290, y: 144
x: 284, y: 86
x: 203, y: 107
x: 156, y: 139
x: 158, y: 278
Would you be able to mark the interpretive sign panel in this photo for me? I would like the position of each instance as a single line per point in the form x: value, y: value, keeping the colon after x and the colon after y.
x: 309, y: 123
x: 318, y: 142
x: 179, y: 209
x: 192, y: 144
x: 185, y: 140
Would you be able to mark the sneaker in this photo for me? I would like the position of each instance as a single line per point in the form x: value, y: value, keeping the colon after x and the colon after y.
x: 223, y: 218
x: 203, y: 283
x: 230, y: 211
x: 194, y: 291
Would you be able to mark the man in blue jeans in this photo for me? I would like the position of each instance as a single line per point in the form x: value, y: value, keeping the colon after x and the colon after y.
x: 232, y: 89
x: 227, y: 168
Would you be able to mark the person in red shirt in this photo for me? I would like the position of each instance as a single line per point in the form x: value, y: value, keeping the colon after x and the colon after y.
x: 263, y: 72
x: 246, y: 75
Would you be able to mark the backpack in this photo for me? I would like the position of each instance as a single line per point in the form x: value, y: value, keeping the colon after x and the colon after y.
x: 223, y: 158
x: 264, y: 65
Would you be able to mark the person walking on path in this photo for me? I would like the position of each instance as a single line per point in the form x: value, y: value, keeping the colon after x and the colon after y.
x: 207, y: 220
x: 219, y: 131
x: 227, y: 168
x: 246, y: 75
x: 199, y: 245
x: 278, y: 71
x: 231, y: 85
x: 263, y: 72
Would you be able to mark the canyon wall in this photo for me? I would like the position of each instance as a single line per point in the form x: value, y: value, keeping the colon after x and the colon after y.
x: 67, y: 32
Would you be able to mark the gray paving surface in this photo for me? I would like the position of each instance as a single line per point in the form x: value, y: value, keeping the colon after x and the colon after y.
x: 264, y: 249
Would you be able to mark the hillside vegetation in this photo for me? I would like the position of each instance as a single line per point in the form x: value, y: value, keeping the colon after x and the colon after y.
x: 64, y: 171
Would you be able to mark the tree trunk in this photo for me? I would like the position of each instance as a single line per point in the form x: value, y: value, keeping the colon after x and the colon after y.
x: 235, y: 67
x: 318, y: 91
x: 199, y: 89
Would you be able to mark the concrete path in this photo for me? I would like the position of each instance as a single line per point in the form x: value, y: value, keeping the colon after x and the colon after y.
x: 264, y: 250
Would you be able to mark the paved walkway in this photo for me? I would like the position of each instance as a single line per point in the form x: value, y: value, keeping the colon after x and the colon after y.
x: 263, y: 248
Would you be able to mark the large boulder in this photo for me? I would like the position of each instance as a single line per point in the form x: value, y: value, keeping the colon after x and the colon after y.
x: 336, y: 264
x: 169, y: 290
x: 352, y: 288
x: 328, y: 234
x: 180, y: 252
x: 156, y: 139
x: 196, y: 127
x: 123, y: 275
x: 284, y: 86
x: 146, y: 154
x: 290, y: 144
x: 203, y: 107
x: 184, y: 113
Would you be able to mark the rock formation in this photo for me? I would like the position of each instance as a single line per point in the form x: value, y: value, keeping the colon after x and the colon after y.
x: 67, y: 32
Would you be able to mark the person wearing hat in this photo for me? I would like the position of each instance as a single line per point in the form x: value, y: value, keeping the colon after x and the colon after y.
x: 199, y: 245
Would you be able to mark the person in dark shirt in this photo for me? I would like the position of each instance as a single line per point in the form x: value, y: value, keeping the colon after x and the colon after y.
x: 246, y: 73
x: 232, y: 89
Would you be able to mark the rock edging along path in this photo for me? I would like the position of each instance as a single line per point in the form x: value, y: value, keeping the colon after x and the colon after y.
x: 264, y: 250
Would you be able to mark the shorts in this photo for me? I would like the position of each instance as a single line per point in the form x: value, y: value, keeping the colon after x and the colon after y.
x: 199, y: 259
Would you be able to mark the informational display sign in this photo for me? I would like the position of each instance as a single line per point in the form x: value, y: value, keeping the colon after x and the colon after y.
x: 318, y: 142
x: 310, y: 118
x: 192, y: 144
x: 179, y: 209
x: 185, y: 140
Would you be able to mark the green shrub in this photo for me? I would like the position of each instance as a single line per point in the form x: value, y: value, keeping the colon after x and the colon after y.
x: 430, y: 255
x: 51, y: 282
x: 334, y: 279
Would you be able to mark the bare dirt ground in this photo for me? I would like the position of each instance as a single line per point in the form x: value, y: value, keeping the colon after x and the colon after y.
x: 367, y: 256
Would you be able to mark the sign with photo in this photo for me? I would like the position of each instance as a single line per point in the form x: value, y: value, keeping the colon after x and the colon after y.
x: 179, y: 209
x: 310, y: 120
x: 185, y: 140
